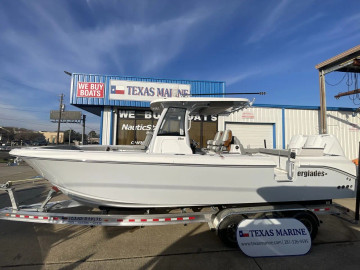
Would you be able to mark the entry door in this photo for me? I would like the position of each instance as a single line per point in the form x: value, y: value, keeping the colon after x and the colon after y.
x: 252, y: 135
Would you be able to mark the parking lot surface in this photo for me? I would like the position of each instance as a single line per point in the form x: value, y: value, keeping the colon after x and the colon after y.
x: 43, y: 246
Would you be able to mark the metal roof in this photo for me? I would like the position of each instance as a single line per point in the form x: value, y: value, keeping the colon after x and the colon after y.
x: 348, y: 61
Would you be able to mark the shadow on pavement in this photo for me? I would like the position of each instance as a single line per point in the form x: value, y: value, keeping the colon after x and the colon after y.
x: 36, y: 246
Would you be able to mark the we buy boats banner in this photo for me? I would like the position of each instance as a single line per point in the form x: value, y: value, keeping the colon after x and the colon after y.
x: 90, y: 90
x: 133, y: 90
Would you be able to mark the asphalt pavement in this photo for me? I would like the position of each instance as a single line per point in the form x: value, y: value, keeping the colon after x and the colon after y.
x: 43, y: 246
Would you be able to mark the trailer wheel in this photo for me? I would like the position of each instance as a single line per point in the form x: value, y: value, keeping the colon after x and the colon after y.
x: 310, y: 221
x: 227, y: 230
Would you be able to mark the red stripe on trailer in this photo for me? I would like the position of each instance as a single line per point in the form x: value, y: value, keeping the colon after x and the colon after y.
x: 36, y: 217
x: 45, y: 218
x: 155, y: 219
x: 191, y: 218
x: 143, y: 220
x: 26, y: 216
x: 131, y: 220
x: 17, y: 215
x: 55, y: 218
x: 167, y: 219
x: 321, y: 209
x: 120, y: 220
x: 179, y: 218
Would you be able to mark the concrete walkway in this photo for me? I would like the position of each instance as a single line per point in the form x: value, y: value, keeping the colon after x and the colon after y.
x: 42, y: 246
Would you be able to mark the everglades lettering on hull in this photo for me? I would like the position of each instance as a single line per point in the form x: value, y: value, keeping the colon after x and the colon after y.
x: 311, y: 173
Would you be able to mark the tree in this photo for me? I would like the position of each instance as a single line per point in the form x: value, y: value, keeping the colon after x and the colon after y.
x: 8, y: 134
x: 93, y: 137
x: 29, y: 136
x: 92, y: 134
x: 74, y: 136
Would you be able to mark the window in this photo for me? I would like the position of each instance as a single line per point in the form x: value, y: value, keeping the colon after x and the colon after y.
x: 203, y: 130
x: 132, y: 126
x: 173, y: 123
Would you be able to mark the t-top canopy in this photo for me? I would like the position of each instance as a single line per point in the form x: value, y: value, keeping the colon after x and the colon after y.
x: 202, y: 106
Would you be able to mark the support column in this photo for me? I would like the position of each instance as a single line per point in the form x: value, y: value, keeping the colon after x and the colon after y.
x: 323, y: 120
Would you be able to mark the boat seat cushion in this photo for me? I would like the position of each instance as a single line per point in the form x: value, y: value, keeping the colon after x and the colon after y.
x: 227, y: 138
x: 221, y: 142
x: 212, y: 144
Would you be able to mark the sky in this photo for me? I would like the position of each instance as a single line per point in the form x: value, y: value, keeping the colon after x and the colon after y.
x: 251, y: 45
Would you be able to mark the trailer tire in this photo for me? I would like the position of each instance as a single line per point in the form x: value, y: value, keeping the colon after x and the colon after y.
x: 227, y: 230
x: 310, y: 221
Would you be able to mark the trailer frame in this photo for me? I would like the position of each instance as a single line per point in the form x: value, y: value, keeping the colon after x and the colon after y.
x: 218, y: 219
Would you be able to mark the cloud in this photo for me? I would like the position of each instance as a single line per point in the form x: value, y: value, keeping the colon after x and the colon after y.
x: 269, y: 23
x: 46, y: 39
x: 27, y: 118
x: 230, y: 80
x: 59, y: 45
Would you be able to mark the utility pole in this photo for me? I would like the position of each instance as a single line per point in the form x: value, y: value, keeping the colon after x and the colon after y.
x: 83, y: 133
x: 60, y: 110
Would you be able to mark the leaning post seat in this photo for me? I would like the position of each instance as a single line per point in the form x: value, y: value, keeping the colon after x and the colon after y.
x: 221, y: 142
x: 226, y: 140
x: 212, y: 143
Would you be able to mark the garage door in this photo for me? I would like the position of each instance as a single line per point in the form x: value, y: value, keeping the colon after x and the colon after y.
x: 253, y: 135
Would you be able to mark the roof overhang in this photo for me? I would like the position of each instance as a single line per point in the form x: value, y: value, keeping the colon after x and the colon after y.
x: 348, y: 61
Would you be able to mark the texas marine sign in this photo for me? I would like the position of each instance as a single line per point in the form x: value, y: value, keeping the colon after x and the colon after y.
x: 132, y: 90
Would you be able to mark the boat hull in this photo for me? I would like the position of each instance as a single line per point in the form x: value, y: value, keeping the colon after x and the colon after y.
x: 178, y: 182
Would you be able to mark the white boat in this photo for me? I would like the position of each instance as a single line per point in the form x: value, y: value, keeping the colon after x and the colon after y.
x: 167, y: 171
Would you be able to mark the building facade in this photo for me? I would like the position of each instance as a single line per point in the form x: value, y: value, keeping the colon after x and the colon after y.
x: 275, y: 125
x: 51, y: 137
x: 123, y: 106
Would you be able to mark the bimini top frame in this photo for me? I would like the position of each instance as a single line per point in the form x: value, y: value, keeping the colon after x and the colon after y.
x: 202, y: 106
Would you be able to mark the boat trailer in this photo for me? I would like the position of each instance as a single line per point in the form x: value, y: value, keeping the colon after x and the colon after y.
x: 220, y: 219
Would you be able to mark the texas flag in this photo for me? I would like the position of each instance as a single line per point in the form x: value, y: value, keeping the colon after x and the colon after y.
x: 244, y: 233
x: 115, y: 89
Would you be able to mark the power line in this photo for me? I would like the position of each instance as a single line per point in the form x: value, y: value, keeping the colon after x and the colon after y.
x: 337, y: 82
